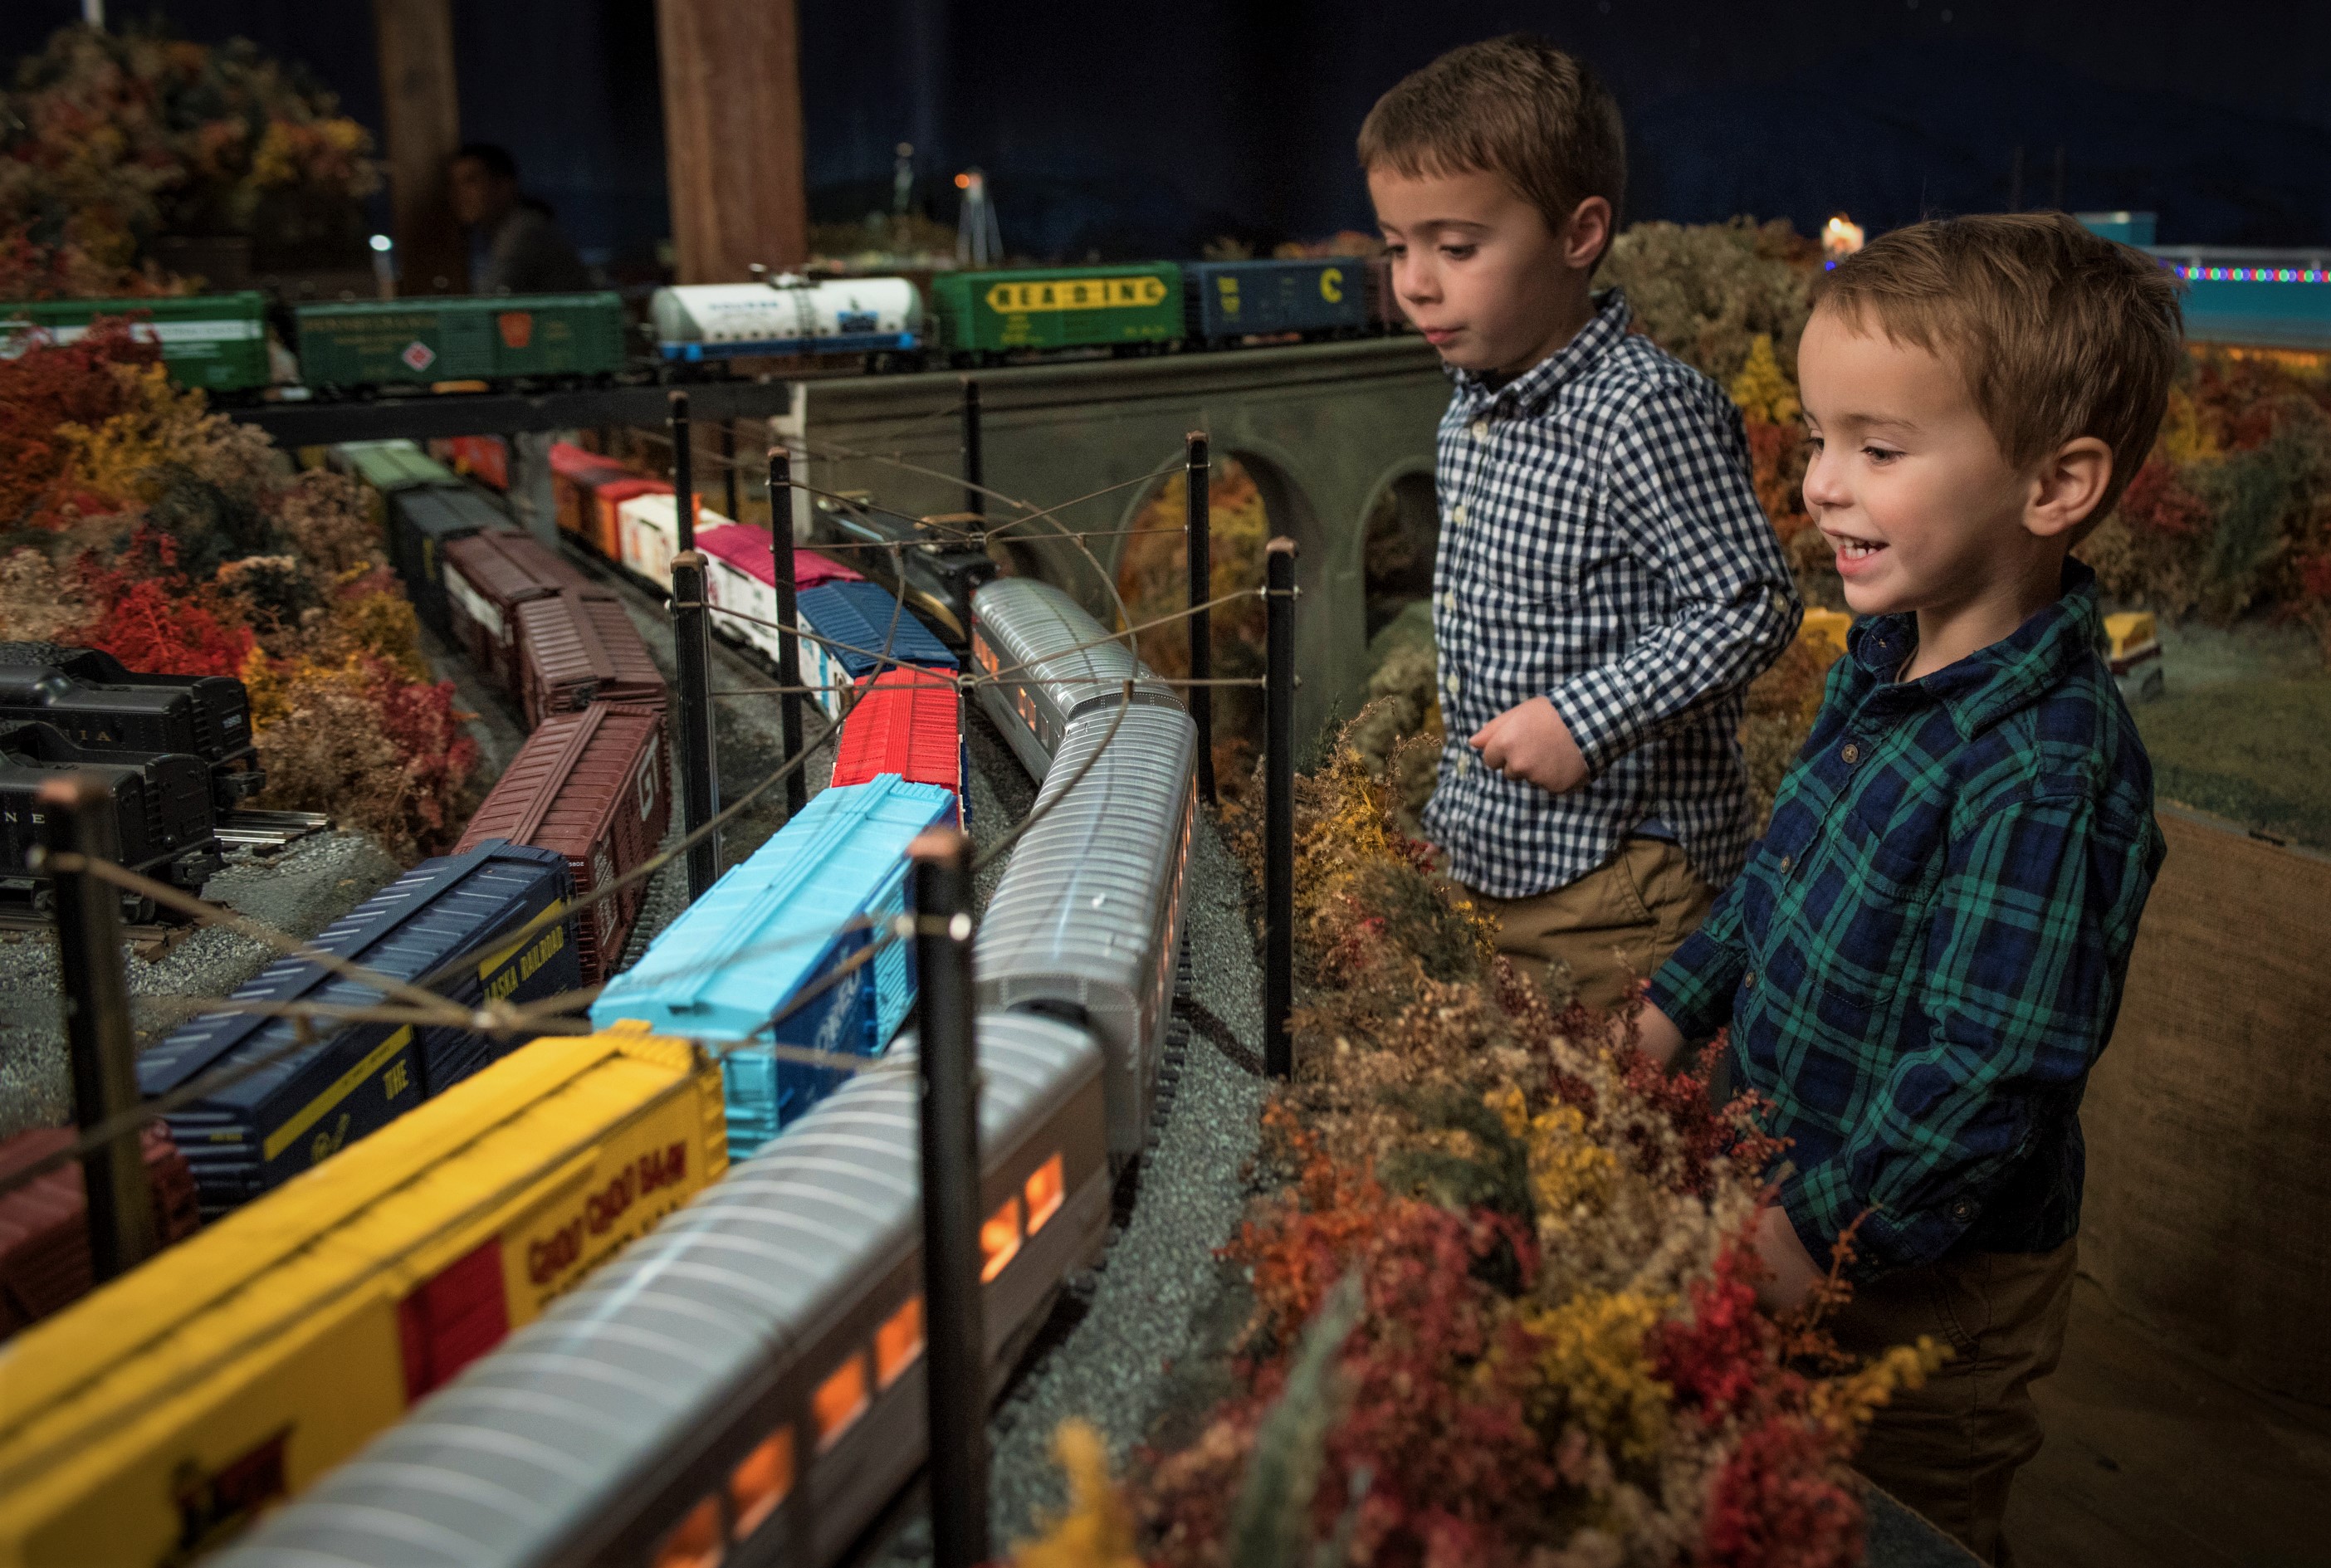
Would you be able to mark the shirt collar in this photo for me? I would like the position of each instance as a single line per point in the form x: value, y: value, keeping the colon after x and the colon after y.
x: 1533, y: 389
x: 1992, y: 682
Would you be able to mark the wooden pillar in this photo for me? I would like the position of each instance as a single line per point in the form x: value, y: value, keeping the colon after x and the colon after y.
x: 732, y: 133
x: 417, y: 88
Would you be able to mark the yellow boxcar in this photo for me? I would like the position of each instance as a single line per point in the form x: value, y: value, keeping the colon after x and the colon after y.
x: 159, y: 1416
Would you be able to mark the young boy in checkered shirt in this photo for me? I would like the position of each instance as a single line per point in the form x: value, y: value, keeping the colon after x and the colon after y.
x: 1927, y: 950
x: 1606, y: 585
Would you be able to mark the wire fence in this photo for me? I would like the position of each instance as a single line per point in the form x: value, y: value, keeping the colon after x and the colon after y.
x: 421, y: 1004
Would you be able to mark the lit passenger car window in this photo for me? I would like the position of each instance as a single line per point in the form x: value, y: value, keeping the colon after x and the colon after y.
x: 839, y: 1399
x: 999, y: 1239
x: 695, y: 1541
x: 1044, y: 1190
x: 898, y: 1342
x: 761, y: 1480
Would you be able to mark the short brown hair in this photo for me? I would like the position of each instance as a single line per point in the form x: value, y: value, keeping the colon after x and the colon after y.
x: 1514, y: 106
x: 2059, y: 332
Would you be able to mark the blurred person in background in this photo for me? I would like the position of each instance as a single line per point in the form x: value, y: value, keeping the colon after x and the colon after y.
x: 516, y: 245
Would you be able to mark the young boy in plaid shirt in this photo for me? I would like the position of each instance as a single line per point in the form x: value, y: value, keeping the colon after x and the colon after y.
x: 1606, y: 585
x: 1925, y: 953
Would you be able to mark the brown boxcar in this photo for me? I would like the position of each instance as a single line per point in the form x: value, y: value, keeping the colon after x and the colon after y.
x: 44, y: 1262
x: 575, y: 648
x: 487, y: 577
x: 588, y: 785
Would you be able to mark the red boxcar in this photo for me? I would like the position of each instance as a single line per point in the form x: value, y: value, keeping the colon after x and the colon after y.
x: 907, y: 721
x: 573, y: 473
x: 575, y: 647
x: 485, y: 583
x: 45, y: 1263
x: 589, y: 785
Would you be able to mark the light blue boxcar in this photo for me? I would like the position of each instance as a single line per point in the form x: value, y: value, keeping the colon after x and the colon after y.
x: 824, y: 888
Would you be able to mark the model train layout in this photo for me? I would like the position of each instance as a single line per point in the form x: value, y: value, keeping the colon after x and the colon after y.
x: 395, y: 1199
x: 220, y: 342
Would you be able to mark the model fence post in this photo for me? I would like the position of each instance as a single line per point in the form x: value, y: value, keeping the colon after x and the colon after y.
x: 692, y: 650
x: 76, y: 825
x: 1278, y: 809
x: 728, y: 468
x: 789, y: 675
x: 1200, y: 549
x: 974, y: 468
x: 954, y: 1324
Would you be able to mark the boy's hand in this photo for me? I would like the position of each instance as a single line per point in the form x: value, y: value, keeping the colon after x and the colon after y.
x: 1531, y: 743
x: 1793, y: 1271
x: 1657, y: 1036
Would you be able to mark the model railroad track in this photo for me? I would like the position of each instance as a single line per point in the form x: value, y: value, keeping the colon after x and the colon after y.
x: 269, y: 829
x: 149, y: 939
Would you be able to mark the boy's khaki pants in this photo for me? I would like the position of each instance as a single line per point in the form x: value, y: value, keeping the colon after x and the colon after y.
x: 1951, y: 1449
x: 1615, y: 925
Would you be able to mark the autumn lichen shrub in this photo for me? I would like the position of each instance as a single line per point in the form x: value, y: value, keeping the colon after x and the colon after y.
x: 1558, y: 1357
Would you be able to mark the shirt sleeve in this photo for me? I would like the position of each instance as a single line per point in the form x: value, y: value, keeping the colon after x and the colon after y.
x: 1680, y: 494
x: 1694, y: 987
x: 2024, y: 966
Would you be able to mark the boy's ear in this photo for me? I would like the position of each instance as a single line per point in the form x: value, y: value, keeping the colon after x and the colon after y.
x: 1587, y: 233
x: 2068, y: 486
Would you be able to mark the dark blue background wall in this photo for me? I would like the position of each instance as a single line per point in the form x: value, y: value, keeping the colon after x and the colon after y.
x: 1144, y: 126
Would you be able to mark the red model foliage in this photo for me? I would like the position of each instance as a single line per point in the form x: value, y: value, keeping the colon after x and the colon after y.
x: 2158, y: 499
x: 153, y: 619
x: 49, y: 386
x: 1718, y: 1358
x: 1775, y: 1504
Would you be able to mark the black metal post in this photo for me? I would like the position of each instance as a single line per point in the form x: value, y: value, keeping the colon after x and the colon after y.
x: 1279, y: 810
x: 974, y: 474
x: 683, y: 474
x: 955, y: 1322
x: 77, y: 821
x: 728, y: 468
x: 789, y: 675
x: 1199, y: 502
x: 699, y: 784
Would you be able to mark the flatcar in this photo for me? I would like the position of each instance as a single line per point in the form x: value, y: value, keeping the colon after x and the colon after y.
x: 1224, y: 301
x: 160, y: 1415
x: 745, y: 1385
x: 590, y: 786
x: 295, y: 1113
x: 427, y: 338
x: 44, y: 1260
x: 574, y: 649
x: 907, y: 721
x: 164, y: 826
x: 486, y: 577
x: 87, y: 696
x: 745, y: 964
x: 217, y: 342
x: 740, y: 581
x: 648, y: 524
x: 785, y: 314
x: 1047, y: 660
x: 1087, y: 923
x: 859, y: 629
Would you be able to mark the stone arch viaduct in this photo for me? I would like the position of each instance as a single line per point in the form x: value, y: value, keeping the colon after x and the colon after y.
x: 1327, y: 430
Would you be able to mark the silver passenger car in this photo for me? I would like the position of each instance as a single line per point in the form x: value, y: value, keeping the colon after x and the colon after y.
x: 1047, y: 661
x: 745, y: 1384
x: 1087, y: 923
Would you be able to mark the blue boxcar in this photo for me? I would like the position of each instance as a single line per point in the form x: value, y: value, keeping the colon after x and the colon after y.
x: 258, y: 1132
x: 859, y: 616
x: 815, y: 896
x: 1230, y: 299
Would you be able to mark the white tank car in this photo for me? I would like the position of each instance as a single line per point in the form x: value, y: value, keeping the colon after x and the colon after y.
x: 787, y: 315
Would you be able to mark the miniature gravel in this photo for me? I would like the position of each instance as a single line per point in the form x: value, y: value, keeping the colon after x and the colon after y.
x: 300, y: 890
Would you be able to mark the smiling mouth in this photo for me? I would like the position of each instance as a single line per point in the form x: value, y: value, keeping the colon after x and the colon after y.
x: 1852, y: 549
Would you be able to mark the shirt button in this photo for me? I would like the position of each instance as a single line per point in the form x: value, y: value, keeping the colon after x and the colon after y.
x: 1449, y: 600
x: 1751, y: 980
x: 1456, y: 514
x: 1464, y: 765
x: 1480, y: 429
x: 1450, y: 682
x: 1788, y: 864
x: 1850, y: 754
x: 1963, y: 1209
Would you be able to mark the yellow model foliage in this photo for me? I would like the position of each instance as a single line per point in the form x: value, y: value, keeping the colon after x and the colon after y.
x: 1097, y: 1529
x: 1596, y: 1375
x: 1761, y: 389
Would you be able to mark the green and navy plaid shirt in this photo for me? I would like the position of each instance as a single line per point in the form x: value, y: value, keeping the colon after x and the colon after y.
x: 1925, y: 953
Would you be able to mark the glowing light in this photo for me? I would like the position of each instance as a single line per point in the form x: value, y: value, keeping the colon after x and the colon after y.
x: 963, y: 182
x: 1840, y: 236
x: 2199, y: 273
x: 382, y: 242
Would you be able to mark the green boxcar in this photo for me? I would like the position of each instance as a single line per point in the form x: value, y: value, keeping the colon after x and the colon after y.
x: 484, y: 338
x: 217, y: 342
x: 386, y: 467
x: 1057, y: 307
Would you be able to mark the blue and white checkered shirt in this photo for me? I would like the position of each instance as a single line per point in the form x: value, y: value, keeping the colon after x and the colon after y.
x: 1601, y: 546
